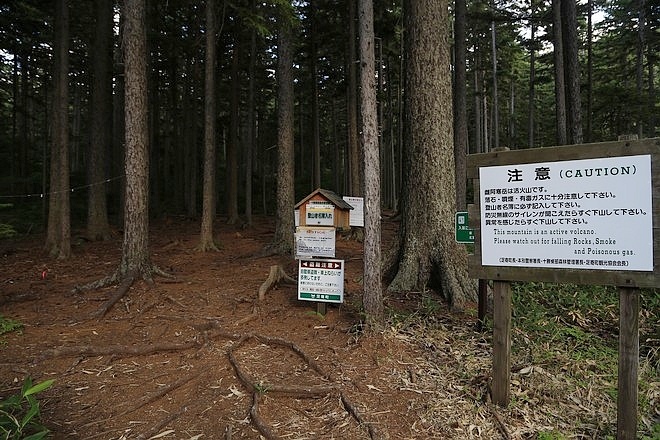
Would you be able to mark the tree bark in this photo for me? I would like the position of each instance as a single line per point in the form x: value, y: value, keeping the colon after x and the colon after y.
x: 495, y: 141
x: 316, y: 136
x: 355, y: 179
x: 590, y: 70
x: 560, y: 88
x: 251, y: 124
x: 532, y: 79
x: 206, y: 240
x: 428, y: 254
x: 283, y: 239
x: 232, y: 145
x: 572, y: 70
x: 58, y: 238
x: 373, y: 293
x: 98, y: 227
x: 639, y: 67
x: 135, y: 257
x: 460, y: 104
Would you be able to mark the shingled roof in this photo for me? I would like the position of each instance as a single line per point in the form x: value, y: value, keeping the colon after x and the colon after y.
x: 330, y: 195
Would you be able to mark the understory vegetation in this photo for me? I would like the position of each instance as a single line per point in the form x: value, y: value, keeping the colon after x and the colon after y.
x: 564, y: 364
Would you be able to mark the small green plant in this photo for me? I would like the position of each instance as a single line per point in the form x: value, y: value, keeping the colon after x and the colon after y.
x: 261, y: 388
x: 20, y: 413
x: 9, y: 325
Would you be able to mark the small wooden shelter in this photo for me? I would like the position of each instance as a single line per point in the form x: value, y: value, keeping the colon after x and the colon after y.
x: 324, y: 208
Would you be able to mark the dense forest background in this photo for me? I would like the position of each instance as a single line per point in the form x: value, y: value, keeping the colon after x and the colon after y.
x: 509, y: 96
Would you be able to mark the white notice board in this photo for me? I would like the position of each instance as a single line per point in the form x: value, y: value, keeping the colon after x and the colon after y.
x: 577, y: 214
x: 315, y: 241
x: 357, y: 213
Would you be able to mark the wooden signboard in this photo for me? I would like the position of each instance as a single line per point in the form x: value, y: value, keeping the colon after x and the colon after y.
x: 584, y: 214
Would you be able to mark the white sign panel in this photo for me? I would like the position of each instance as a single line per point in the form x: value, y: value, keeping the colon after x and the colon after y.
x: 357, y: 213
x: 321, y: 280
x: 578, y: 214
x: 320, y: 214
x: 315, y: 242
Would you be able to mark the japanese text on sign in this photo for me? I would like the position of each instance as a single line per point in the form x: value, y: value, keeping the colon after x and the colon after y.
x: 321, y: 280
x: 579, y: 214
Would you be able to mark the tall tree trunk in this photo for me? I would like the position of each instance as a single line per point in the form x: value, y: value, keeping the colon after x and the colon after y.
x: 373, y: 292
x: 478, y: 114
x: 590, y: 69
x: 460, y: 104
x: 560, y: 88
x: 428, y: 254
x: 98, y: 227
x: 232, y: 146
x: 58, y: 238
x: 283, y: 239
x: 251, y: 124
x: 651, y: 57
x: 496, y: 111
x: 189, y: 140
x: 206, y: 240
x: 572, y: 70
x: 118, y: 130
x: 316, y: 136
x: 639, y: 65
x: 355, y: 173
x: 135, y: 259
x: 532, y: 79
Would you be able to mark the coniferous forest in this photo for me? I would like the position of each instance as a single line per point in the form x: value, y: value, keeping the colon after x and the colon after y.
x: 170, y: 140
x: 509, y: 77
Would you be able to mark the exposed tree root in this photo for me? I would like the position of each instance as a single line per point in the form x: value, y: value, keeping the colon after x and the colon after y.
x: 126, y: 280
x: 160, y: 425
x: 276, y: 275
x: 261, y: 425
x: 253, y: 385
x: 115, y: 350
x: 207, y: 246
x: 150, y: 398
x: 500, y: 423
x: 122, y: 290
x: 256, y: 388
x: 353, y: 411
x: 293, y: 347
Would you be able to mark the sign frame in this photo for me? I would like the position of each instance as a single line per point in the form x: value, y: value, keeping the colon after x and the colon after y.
x: 320, y: 280
x: 626, y: 278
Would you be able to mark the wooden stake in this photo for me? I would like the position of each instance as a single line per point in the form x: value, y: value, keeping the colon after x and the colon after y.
x: 628, y: 363
x: 501, y: 342
x: 483, y: 304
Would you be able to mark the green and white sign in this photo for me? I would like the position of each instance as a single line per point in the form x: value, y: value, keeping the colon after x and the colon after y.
x: 464, y: 234
x: 321, y: 280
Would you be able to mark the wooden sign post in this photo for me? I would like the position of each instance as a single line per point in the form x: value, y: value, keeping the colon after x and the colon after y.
x: 580, y: 214
x: 626, y: 416
x: 501, y: 342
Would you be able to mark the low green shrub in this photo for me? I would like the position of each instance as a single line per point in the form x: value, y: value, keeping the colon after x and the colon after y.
x: 20, y: 413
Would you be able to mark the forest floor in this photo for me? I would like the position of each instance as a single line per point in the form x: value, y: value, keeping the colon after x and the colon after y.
x: 199, y: 357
